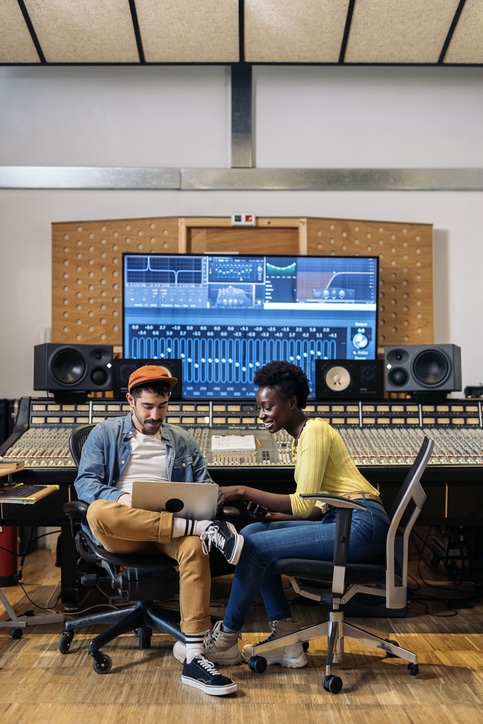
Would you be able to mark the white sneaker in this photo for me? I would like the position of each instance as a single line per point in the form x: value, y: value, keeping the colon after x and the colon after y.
x: 218, y: 646
x: 292, y: 657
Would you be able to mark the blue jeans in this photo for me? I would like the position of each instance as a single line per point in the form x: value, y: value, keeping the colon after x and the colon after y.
x: 313, y: 539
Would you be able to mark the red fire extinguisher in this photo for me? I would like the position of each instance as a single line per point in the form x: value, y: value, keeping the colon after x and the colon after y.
x: 8, y: 555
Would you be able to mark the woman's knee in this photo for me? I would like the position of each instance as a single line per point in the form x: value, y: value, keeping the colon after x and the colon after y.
x: 253, y: 528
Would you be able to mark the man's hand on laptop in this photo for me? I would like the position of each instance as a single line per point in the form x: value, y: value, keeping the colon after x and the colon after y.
x: 126, y: 500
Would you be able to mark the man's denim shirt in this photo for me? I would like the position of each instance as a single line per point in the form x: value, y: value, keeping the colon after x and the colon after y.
x: 108, y: 449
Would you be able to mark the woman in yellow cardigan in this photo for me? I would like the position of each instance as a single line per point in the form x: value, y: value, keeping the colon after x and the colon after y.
x: 293, y: 527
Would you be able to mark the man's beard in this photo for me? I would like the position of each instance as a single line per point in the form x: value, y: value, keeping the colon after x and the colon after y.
x: 153, y: 427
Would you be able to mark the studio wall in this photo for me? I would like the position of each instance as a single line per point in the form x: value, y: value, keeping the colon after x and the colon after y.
x: 179, y: 117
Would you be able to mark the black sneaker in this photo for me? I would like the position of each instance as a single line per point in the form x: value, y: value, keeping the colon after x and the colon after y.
x: 223, y: 536
x: 202, y: 674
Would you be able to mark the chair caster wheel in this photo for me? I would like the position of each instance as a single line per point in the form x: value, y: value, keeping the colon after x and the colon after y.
x: 305, y: 646
x: 65, y: 641
x: 16, y: 633
x: 257, y: 664
x: 413, y: 669
x: 102, y: 664
x: 332, y: 684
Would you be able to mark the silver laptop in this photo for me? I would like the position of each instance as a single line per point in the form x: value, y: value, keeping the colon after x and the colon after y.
x: 195, y: 501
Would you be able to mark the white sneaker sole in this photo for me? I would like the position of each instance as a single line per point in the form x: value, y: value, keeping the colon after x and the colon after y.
x: 289, y: 662
x: 237, y: 551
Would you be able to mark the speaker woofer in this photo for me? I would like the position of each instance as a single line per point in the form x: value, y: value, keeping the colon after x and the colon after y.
x: 68, y: 367
x: 431, y: 368
x: 338, y: 379
x: 398, y: 376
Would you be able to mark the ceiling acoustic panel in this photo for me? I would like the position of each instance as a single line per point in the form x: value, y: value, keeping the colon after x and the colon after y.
x: 467, y: 42
x: 84, y: 31
x: 399, y: 31
x: 16, y: 44
x: 283, y: 31
x: 315, y: 32
x: 192, y: 31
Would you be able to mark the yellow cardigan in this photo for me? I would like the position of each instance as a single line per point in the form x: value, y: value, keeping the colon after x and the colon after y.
x: 323, y: 465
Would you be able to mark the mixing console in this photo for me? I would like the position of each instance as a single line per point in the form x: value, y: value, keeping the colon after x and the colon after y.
x: 44, y: 447
x: 378, y: 435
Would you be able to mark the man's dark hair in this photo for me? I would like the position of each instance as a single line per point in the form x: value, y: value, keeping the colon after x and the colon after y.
x: 285, y: 377
x: 158, y: 388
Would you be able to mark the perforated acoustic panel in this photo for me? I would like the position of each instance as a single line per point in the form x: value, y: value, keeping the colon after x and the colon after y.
x: 87, y: 273
x: 405, y: 254
x: 87, y: 266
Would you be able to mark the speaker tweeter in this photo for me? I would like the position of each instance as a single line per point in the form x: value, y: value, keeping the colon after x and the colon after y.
x: 349, y: 379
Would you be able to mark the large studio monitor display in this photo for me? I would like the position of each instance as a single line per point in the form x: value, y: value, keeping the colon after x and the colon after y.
x: 225, y: 315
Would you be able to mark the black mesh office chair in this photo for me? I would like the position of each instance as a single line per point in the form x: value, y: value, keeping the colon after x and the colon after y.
x: 343, y: 580
x: 136, y: 578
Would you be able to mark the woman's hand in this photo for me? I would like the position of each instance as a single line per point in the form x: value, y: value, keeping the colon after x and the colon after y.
x: 272, y: 517
x: 270, y: 501
x: 228, y: 493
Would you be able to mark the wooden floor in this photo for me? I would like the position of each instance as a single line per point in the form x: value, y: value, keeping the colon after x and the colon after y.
x: 38, y: 684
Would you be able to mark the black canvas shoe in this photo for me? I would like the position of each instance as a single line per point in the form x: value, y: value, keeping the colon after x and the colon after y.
x: 225, y: 538
x: 202, y: 674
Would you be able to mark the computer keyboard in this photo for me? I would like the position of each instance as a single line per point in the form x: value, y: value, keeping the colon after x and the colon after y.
x: 23, y: 490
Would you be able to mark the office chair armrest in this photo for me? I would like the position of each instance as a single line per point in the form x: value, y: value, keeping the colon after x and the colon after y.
x: 228, y: 512
x: 75, y: 509
x: 334, y: 501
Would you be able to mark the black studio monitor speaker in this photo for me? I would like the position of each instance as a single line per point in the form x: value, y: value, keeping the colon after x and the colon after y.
x: 75, y: 369
x: 423, y: 368
x: 122, y: 369
x: 349, y: 379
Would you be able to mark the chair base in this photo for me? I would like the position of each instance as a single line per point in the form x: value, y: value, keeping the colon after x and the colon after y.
x: 336, y: 630
x: 143, y: 618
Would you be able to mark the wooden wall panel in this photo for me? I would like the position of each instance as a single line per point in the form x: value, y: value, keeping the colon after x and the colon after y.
x: 87, y: 266
x: 87, y: 274
x: 405, y: 254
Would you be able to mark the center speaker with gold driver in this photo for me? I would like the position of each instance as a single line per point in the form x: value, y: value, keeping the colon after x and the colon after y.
x: 349, y: 379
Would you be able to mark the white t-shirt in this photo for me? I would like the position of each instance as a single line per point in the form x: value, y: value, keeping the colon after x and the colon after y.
x: 147, y: 461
